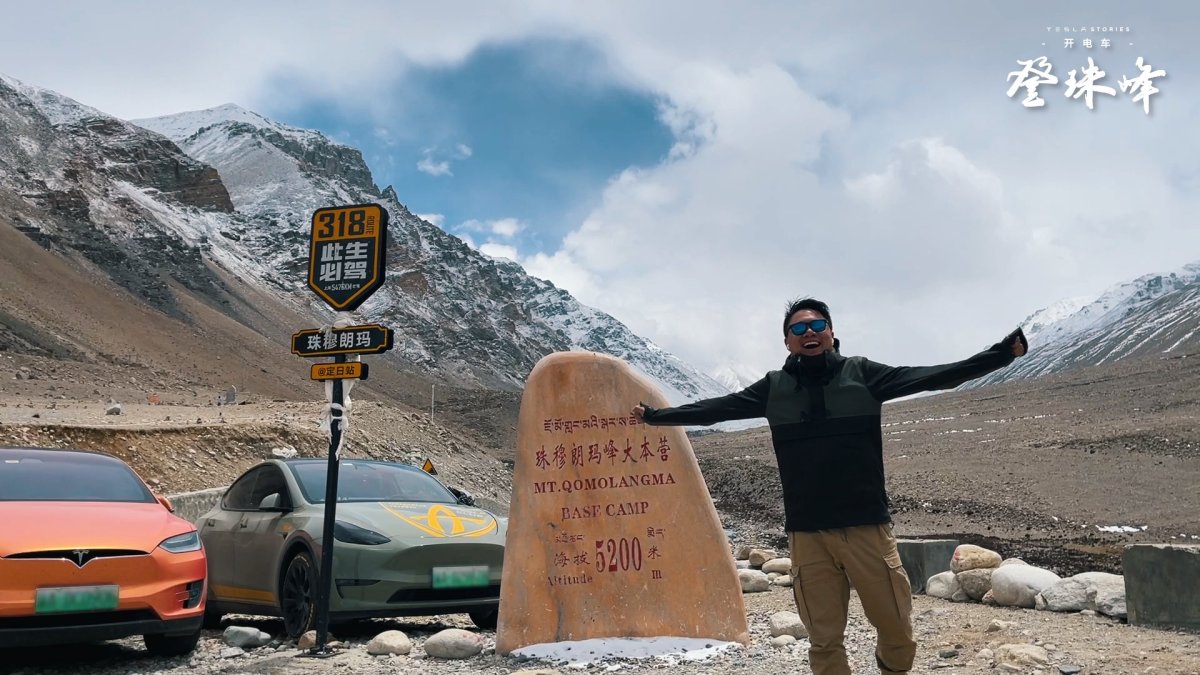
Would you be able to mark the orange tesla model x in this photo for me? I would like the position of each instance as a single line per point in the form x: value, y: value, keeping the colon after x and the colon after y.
x: 87, y: 552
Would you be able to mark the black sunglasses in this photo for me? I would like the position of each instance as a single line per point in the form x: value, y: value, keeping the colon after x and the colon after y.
x: 801, y: 327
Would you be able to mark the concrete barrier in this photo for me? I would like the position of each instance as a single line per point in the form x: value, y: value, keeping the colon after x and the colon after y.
x: 191, y: 505
x: 923, y: 558
x: 1161, y: 585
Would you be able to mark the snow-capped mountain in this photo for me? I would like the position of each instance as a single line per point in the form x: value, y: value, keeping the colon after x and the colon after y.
x: 197, y: 199
x: 736, y: 376
x: 1155, y: 313
x: 73, y: 175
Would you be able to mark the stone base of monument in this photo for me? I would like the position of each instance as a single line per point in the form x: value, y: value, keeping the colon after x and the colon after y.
x: 1161, y: 586
x: 924, y: 558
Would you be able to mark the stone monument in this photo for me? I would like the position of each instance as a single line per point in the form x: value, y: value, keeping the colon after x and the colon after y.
x: 612, y: 532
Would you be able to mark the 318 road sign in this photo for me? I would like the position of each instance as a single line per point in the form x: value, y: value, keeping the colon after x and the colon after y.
x: 347, y: 254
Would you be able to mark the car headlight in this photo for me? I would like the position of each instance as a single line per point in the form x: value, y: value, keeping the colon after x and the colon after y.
x: 353, y: 534
x: 182, y: 543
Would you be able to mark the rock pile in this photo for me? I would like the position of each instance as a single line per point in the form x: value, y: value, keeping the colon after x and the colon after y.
x: 982, y: 575
x: 761, y: 568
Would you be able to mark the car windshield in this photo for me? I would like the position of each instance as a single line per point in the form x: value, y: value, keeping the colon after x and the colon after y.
x: 53, y: 476
x: 370, y: 482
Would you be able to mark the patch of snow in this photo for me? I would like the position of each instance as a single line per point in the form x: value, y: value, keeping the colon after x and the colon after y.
x: 183, y: 125
x: 57, y: 108
x: 581, y: 653
x: 736, y: 377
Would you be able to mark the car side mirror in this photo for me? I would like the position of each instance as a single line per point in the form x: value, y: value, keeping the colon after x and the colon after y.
x: 166, y: 503
x: 273, y: 502
x: 465, y: 498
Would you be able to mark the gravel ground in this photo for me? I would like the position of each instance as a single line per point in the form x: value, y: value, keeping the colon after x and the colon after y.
x: 949, y: 636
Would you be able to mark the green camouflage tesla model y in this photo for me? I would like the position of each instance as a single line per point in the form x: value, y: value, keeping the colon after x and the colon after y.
x: 405, y: 545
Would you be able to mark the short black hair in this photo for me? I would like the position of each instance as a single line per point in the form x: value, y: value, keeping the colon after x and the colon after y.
x: 805, y: 303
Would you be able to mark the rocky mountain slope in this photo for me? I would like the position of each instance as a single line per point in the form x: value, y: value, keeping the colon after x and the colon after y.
x: 457, y: 313
x: 1153, y: 314
x: 225, y: 221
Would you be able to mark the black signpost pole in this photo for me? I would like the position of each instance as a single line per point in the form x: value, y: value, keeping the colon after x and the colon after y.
x: 340, y: 239
x: 331, y: 481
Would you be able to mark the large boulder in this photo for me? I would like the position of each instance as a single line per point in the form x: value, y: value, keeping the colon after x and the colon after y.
x: 1072, y: 594
x: 787, y: 623
x: 1109, y: 599
x: 1018, y: 585
x: 759, y: 556
x: 945, y: 585
x: 454, y: 643
x: 778, y: 565
x: 390, y: 642
x: 976, y: 582
x: 753, y: 581
x: 245, y: 637
x: 971, y: 557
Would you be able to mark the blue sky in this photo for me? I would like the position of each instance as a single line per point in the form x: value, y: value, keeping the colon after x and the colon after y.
x: 527, y: 132
x: 689, y: 166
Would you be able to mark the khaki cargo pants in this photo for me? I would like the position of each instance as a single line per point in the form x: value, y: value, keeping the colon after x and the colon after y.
x: 824, y: 564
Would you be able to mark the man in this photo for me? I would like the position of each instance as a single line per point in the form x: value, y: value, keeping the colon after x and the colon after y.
x: 824, y: 414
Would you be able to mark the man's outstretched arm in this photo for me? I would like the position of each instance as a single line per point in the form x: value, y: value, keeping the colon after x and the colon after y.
x: 745, y: 404
x: 889, y: 382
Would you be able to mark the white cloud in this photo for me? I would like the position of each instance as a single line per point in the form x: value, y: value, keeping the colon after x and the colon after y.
x: 507, y: 227
x: 499, y: 251
x: 434, y: 168
x: 926, y: 255
x: 876, y: 164
x: 436, y: 163
x: 435, y: 219
x: 384, y: 136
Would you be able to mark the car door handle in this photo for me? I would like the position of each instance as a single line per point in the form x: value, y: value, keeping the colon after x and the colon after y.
x: 210, y: 522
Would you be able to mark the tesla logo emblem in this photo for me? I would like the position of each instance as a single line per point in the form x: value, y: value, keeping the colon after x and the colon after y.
x: 440, y: 521
x: 81, y: 556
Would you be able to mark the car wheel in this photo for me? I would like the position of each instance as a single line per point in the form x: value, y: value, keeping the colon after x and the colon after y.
x: 485, y: 618
x: 171, y: 645
x: 297, y: 599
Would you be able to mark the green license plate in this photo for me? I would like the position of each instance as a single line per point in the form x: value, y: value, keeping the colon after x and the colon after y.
x: 75, y: 599
x: 460, y: 577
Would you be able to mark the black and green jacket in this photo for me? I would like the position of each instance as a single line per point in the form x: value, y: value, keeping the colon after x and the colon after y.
x: 824, y: 414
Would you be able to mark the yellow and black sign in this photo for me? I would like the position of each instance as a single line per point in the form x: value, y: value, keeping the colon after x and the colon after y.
x: 428, y: 468
x: 369, y: 338
x: 351, y: 370
x: 347, y: 252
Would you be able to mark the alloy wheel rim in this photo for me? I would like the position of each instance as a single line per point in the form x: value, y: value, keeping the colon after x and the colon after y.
x: 296, y: 599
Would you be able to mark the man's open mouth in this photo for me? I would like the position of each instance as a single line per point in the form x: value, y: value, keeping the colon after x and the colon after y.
x: 810, y: 345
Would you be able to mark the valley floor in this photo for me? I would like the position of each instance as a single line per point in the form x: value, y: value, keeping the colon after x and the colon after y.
x: 1032, y: 470
x: 949, y: 635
